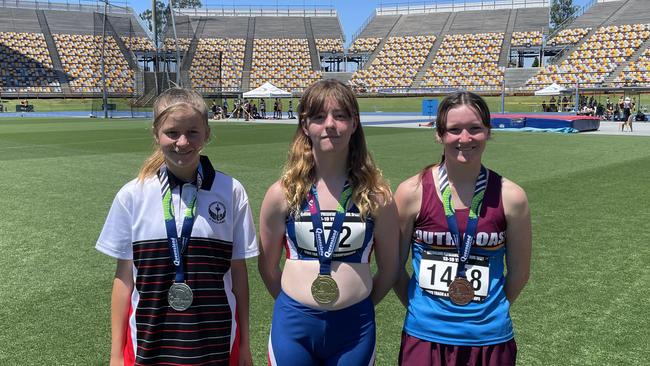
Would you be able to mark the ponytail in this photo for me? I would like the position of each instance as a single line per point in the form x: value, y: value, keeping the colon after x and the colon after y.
x: 151, y: 165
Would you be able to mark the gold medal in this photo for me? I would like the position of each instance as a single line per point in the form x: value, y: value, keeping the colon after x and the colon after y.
x: 324, y: 289
x: 461, y: 291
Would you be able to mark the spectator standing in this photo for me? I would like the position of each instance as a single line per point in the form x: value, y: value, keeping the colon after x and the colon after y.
x: 627, y: 108
x: 262, y: 108
x: 213, y: 107
x: 290, y: 109
x: 552, y: 107
x: 275, y: 108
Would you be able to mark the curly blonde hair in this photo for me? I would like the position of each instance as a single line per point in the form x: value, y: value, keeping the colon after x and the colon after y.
x: 168, y: 102
x: 369, y: 189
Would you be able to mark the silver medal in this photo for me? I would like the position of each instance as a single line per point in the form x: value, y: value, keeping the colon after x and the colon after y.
x: 180, y: 296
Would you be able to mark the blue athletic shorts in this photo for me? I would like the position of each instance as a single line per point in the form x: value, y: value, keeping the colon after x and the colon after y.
x: 301, y: 335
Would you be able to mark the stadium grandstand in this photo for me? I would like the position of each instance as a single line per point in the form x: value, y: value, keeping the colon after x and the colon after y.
x: 89, y: 49
x: 482, y: 46
x: 50, y: 49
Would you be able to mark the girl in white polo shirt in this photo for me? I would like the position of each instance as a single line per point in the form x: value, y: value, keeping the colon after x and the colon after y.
x: 181, y: 233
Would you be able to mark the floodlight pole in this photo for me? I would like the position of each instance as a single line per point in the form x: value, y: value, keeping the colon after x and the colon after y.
x: 178, y: 54
x: 577, y: 100
x: 503, y: 91
x: 103, y: 64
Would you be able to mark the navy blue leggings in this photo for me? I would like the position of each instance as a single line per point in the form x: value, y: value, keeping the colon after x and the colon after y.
x: 301, y: 335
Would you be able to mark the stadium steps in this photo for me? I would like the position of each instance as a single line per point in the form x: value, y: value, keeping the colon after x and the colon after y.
x: 381, y: 44
x: 419, y: 77
x: 126, y: 52
x: 139, y: 83
x: 507, y: 38
x: 248, y: 56
x: 146, y: 100
x: 191, y: 51
x: 635, y: 57
x: 313, y: 51
x: 517, y: 77
x: 616, y: 15
x: 54, y: 52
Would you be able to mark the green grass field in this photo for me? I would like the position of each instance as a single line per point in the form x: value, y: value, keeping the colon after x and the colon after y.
x: 585, y: 304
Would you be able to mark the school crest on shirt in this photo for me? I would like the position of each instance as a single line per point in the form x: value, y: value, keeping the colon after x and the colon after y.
x: 217, y: 211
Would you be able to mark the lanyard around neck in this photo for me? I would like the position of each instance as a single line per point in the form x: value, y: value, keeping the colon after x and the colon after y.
x: 178, y: 244
x: 326, y: 248
x: 465, y: 245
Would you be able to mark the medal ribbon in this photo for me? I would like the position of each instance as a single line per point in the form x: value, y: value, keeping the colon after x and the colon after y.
x: 326, y: 248
x: 465, y: 245
x: 178, y: 244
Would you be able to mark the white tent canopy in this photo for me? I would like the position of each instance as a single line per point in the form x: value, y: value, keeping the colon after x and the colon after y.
x: 267, y: 90
x: 552, y: 89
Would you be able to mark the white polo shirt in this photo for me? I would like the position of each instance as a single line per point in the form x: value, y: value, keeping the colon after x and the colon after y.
x: 223, y: 231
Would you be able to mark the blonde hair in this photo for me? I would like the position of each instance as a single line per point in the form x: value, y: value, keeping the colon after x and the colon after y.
x: 369, y: 189
x: 170, y: 101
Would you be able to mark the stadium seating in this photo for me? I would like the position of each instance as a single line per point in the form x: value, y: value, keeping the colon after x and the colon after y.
x: 206, y: 72
x: 364, y: 45
x: 25, y: 64
x: 568, y: 36
x: 596, y: 58
x: 139, y: 44
x: 183, y: 44
x: 80, y: 56
x: 531, y: 38
x: 637, y: 73
x: 333, y: 45
x: 285, y: 62
x: 468, y: 61
x: 396, y: 64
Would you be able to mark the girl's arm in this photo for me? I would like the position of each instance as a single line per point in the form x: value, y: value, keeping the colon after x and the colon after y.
x: 518, y: 239
x: 386, y: 244
x: 120, y: 304
x: 408, y: 199
x: 240, y: 290
x: 272, y: 228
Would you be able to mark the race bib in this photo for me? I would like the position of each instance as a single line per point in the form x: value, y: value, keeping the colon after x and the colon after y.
x: 351, y: 239
x: 438, y: 269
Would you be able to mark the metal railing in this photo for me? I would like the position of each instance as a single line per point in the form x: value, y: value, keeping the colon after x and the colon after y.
x: 450, y: 6
x: 116, y: 6
x: 259, y: 11
x: 356, y: 34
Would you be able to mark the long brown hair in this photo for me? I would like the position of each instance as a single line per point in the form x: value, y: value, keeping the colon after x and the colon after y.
x: 168, y: 102
x: 369, y: 189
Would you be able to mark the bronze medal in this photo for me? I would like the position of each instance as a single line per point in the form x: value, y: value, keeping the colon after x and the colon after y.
x: 461, y: 291
x: 180, y: 296
x: 324, y: 290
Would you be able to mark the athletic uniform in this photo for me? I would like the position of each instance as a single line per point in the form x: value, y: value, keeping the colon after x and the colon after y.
x: 301, y: 335
x: 207, y: 332
x: 431, y: 316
